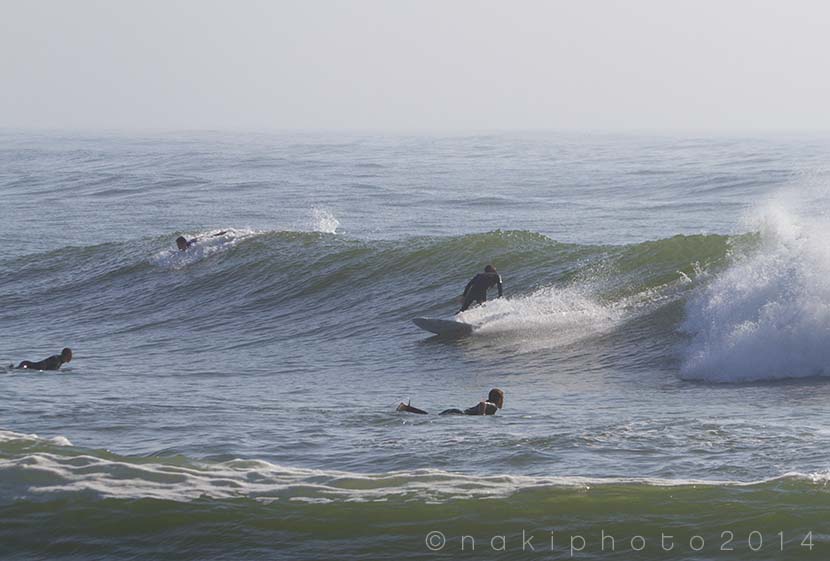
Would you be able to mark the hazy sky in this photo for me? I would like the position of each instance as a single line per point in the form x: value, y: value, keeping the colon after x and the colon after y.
x: 419, y: 64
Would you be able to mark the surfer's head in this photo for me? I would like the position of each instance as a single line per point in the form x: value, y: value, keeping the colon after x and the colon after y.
x: 66, y: 354
x: 181, y: 243
x: 496, y: 396
x: 489, y: 269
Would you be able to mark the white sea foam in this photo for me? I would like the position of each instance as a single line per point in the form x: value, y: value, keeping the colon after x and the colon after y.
x: 323, y: 221
x: 549, y: 316
x: 768, y: 315
x: 208, y: 243
x: 46, y: 475
x: 64, y: 470
x: 9, y: 436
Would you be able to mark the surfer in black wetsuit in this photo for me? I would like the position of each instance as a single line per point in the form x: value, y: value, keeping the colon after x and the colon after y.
x: 476, y: 289
x: 54, y: 362
x: 494, y: 402
x: 183, y: 243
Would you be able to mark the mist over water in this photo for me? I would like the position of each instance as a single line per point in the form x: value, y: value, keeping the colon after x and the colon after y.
x: 661, y: 339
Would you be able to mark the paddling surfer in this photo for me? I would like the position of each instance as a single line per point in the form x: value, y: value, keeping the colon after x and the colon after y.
x: 494, y: 402
x: 184, y: 244
x: 54, y: 362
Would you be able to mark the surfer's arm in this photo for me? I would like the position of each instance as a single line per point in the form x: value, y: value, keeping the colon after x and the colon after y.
x: 468, y: 287
x: 499, y: 285
x: 480, y: 409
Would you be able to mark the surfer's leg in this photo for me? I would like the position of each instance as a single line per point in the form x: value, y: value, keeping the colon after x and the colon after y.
x: 473, y: 297
x: 405, y: 407
x: 451, y: 412
x: 26, y: 364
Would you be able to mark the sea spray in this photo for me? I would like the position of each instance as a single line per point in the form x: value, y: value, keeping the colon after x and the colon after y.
x: 322, y: 221
x: 768, y: 315
x: 549, y: 316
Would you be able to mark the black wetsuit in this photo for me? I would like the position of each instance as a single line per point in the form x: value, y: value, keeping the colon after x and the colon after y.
x: 489, y: 409
x: 191, y: 243
x: 54, y: 362
x: 476, y: 289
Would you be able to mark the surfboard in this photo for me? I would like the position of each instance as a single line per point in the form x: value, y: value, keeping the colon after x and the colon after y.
x: 444, y: 327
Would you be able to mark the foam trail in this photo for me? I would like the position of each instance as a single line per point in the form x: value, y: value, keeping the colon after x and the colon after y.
x: 767, y: 316
x: 549, y: 316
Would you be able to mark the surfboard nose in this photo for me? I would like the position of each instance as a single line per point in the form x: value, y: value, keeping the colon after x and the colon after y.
x: 443, y: 327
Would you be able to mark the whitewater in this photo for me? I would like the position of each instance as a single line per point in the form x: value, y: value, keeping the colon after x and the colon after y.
x: 662, y: 342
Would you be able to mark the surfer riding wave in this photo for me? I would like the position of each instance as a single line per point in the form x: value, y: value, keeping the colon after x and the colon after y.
x: 476, y: 289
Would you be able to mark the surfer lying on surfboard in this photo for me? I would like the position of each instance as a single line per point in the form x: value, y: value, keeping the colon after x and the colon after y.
x: 476, y: 289
x: 494, y: 402
x: 54, y: 362
x: 183, y: 243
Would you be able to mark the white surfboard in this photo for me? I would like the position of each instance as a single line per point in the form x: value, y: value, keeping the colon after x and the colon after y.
x: 445, y: 327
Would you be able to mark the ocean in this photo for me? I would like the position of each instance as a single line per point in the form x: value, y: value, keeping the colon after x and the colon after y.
x: 662, y: 344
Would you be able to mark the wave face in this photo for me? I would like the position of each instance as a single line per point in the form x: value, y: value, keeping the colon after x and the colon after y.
x: 284, y: 277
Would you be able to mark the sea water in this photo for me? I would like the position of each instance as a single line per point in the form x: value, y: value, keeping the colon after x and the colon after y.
x: 662, y: 344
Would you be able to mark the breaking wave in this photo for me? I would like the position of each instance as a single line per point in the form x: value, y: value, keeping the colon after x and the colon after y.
x: 767, y: 316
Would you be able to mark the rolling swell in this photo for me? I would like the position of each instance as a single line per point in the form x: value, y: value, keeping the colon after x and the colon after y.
x: 249, y: 279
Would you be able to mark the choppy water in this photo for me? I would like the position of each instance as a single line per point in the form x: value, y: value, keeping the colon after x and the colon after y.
x: 662, y: 345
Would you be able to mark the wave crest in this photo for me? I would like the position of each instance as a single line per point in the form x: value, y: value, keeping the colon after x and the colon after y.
x: 767, y: 316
